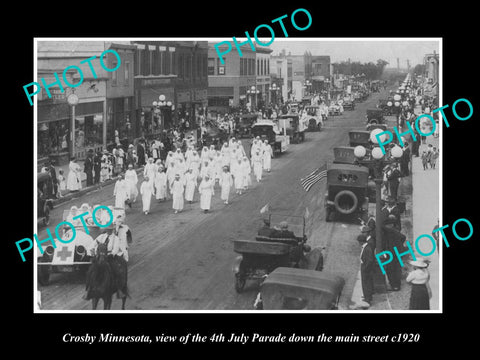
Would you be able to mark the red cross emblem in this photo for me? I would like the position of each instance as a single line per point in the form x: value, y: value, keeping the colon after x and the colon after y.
x: 64, y: 254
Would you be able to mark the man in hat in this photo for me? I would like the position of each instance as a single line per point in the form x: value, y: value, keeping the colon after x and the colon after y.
x: 367, y: 262
x: 284, y: 232
x: 97, y: 167
x: 88, y: 167
x: 393, y: 177
x: 265, y: 231
x: 391, y: 211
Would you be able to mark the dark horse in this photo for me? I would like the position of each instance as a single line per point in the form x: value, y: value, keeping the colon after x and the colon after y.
x: 106, y: 276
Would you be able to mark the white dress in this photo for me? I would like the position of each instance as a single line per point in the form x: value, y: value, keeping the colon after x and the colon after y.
x: 247, y: 170
x: 190, y: 185
x: 146, y: 189
x: 239, y: 175
x: 150, y: 171
x: 73, y: 179
x: 160, y: 184
x: 206, y: 192
x: 226, y: 182
x: 257, y: 166
x: 121, y: 193
x: 267, y: 158
x: 177, y: 190
x: 132, y: 180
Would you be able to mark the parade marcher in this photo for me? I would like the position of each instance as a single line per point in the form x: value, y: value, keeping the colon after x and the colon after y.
x: 132, y: 181
x: 177, y: 190
x: 206, y: 169
x: 121, y: 192
x: 247, y: 171
x: 226, y: 183
x: 190, y: 185
x: 74, y: 181
x: 150, y: 169
x: 418, y: 278
x: 217, y: 166
x: 146, y: 190
x: 367, y: 263
x: 267, y: 156
x: 170, y: 173
x: 160, y: 183
x: 206, y: 191
x: 204, y: 155
x: 238, y: 174
x: 169, y: 160
x: 257, y: 164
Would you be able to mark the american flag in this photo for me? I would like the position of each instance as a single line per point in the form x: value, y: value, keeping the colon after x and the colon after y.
x: 312, y: 178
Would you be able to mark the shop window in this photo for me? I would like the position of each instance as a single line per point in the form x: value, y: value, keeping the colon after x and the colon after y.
x: 53, y: 138
x: 211, y: 66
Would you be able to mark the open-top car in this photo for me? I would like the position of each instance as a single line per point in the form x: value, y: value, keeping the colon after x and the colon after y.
x: 375, y: 116
x: 313, y: 118
x: 269, y: 130
x: 299, y: 289
x: 276, y: 247
x: 347, y: 191
x: 71, y: 254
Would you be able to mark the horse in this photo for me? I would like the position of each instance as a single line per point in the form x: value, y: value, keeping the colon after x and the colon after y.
x: 101, y: 280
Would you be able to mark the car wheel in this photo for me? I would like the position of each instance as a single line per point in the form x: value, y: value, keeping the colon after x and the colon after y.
x: 239, y: 282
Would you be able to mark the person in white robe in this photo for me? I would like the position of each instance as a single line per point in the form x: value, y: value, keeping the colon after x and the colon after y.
x: 226, y: 183
x: 160, y: 184
x: 241, y: 148
x: 190, y: 185
x: 180, y: 167
x: 238, y: 174
x: 170, y: 174
x: 212, y: 152
x: 147, y: 190
x: 195, y: 163
x: 74, y: 181
x: 178, y: 155
x: 177, y: 190
x: 132, y: 179
x: 204, y: 154
x: 121, y: 192
x: 233, y: 159
x: 188, y: 155
x: 247, y: 171
x: 170, y: 159
x: 150, y: 169
x: 267, y: 156
x: 255, y: 147
x: 257, y: 164
x: 206, y: 192
x: 231, y: 142
x: 225, y: 148
x: 206, y: 169
x: 217, y: 165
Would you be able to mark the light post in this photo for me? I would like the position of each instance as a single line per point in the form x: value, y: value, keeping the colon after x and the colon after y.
x: 274, y: 89
x: 159, y: 108
x: 253, y: 92
x: 377, y: 162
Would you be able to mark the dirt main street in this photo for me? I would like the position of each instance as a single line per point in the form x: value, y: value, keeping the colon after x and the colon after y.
x: 184, y: 261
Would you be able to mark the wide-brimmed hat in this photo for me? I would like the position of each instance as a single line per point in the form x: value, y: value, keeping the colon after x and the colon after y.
x: 420, y: 262
x: 283, y: 225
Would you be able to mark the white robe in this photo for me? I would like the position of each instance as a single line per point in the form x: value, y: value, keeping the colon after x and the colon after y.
x: 206, y: 192
x: 121, y: 193
x: 257, y: 166
x: 247, y: 170
x: 239, y: 175
x: 150, y: 170
x: 190, y: 185
x: 132, y: 180
x: 170, y: 175
x: 267, y: 157
x: 146, y: 189
x: 177, y: 190
x: 74, y: 181
x: 226, y: 182
x: 160, y: 184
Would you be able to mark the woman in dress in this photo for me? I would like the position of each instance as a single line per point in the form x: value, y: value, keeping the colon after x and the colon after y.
x: 206, y: 192
x: 74, y: 182
x: 225, y: 182
x: 177, y: 189
x: 190, y: 185
x: 147, y: 190
x: 121, y: 192
x: 267, y: 156
x: 257, y: 164
x: 418, y: 278
x: 132, y: 180
x: 160, y: 184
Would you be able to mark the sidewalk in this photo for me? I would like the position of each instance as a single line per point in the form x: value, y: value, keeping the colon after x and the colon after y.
x: 425, y: 214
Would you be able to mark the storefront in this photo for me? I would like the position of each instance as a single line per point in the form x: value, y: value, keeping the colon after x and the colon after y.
x: 119, y: 118
x: 89, y: 118
x: 53, y: 133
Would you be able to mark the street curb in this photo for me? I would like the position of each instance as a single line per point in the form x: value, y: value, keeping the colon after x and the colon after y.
x: 86, y: 190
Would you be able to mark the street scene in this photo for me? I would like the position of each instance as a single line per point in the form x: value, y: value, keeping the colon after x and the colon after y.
x: 257, y: 184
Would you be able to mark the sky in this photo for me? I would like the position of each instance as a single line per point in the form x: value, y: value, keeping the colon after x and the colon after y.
x: 361, y: 50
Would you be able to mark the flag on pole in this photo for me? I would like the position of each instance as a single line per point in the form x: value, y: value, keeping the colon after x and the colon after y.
x: 264, y: 209
x: 315, y: 176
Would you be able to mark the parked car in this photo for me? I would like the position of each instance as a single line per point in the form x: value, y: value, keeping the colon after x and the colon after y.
x: 267, y: 129
x: 295, y: 127
x: 347, y: 191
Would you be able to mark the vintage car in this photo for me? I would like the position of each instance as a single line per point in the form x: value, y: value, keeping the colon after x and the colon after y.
x: 386, y: 105
x: 348, y: 104
x: 69, y: 256
x: 295, y: 127
x: 293, y: 107
x: 269, y: 130
x: 347, y: 191
x: 261, y: 256
x: 359, y: 137
x: 44, y: 197
x: 344, y: 155
x: 244, y: 125
x: 374, y: 116
x: 298, y: 289
x: 334, y: 109
x: 313, y: 118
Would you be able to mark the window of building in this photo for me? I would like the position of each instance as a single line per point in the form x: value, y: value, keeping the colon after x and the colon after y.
x: 180, y: 66
x: 114, y: 74
x: 211, y: 66
x: 268, y: 66
x: 258, y: 66
x: 151, y: 62
x: 220, y: 68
